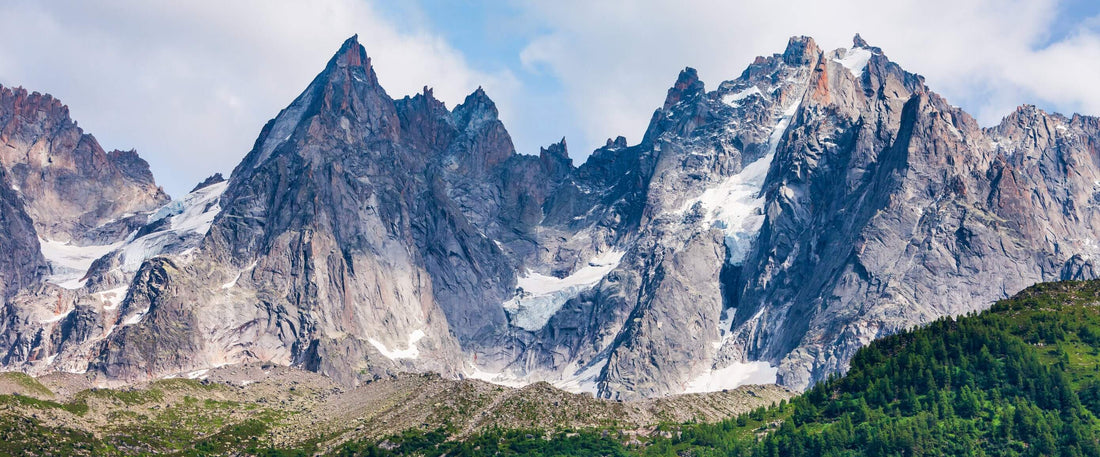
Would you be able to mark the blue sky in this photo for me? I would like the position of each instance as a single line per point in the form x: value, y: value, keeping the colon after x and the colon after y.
x: 1071, y: 15
x: 492, y: 36
x: 190, y: 84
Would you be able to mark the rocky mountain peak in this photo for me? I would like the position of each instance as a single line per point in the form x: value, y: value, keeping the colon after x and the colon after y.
x: 70, y: 185
x: 475, y: 110
x: 759, y: 233
x: 352, y: 83
x: 429, y: 94
x: 1025, y: 113
x: 619, y: 142
x: 132, y: 166
x: 1029, y: 128
x: 28, y: 105
x: 352, y: 55
x: 555, y: 158
x: 344, y: 97
x: 209, y: 181
x: 687, y: 85
x: 859, y: 43
x: 425, y: 101
x: 801, y: 50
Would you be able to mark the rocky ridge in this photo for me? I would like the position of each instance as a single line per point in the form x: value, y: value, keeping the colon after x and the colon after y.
x: 759, y: 232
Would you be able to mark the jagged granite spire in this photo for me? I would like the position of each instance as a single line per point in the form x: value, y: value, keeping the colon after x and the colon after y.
x: 801, y: 50
x: 351, y: 54
x: 358, y: 226
x: 760, y: 232
x: 72, y: 188
x: 687, y: 85
x: 858, y: 42
x: 347, y: 88
x: 475, y: 110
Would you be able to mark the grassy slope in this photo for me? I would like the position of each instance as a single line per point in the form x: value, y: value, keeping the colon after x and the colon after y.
x: 291, y: 412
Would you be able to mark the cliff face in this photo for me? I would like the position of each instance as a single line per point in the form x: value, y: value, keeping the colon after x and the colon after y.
x: 887, y: 207
x: 355, y: 238
x: 759, y: 232
x: 64, y: 202
x: 22, y: 264
x: 73, y: 190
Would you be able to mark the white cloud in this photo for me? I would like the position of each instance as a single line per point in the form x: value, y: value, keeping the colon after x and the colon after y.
x: 190, y: 84
x: 617, y: 58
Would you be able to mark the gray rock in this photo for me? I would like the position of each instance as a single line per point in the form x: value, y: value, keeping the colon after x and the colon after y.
x: 771, y: 226
x: 70, y: 185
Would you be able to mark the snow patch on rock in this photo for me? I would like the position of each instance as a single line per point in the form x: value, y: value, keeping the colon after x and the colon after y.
x: 68, y: 263
x: 230, y: 284
x: 855, y: 60
x: 198, y: 374
x: 136, y: 317
x: 188, y: 218
x: 725, y: 326
x: 112, y: 297
x: 412, y: 352
x: 539, y: 296
x: 734, y: 99
x: 57, y: 317
x: 732, y: 377
x: 736, y: 205
x: 584, y: 379
x: 500, y: 379
x: 188, y: 221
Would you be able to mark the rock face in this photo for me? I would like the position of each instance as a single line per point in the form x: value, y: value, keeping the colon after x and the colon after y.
x: 888, y: 207
x: 71, y: 187
x: 64, y: 202
x: 22, y: 264
x: 759, y: 232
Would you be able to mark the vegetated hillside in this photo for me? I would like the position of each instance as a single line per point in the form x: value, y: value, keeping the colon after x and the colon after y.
x: 272, y: 410
x: 1020, y: 379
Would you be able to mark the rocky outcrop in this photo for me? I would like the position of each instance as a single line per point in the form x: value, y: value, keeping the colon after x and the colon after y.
x: 887, y: 208
x: 64, y: 202
x: 74, y: 190
x: 22, y: 264
x: 344, y: 245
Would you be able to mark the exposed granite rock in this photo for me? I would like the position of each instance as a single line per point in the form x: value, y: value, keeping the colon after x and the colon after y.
x: 209, y: 181
x: 58, y: 185
x: 888, y: 207
x: 21, y: 262
x: 764, y: 230
x: 70, y: 185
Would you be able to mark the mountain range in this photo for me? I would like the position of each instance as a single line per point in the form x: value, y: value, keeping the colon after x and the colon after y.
x: 761, y: 232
